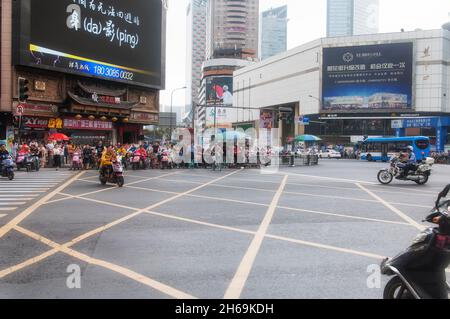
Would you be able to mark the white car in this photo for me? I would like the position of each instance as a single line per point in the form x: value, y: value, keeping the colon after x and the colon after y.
x: 330, y: 154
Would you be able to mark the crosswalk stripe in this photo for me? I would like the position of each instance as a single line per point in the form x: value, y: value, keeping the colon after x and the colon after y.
x: 26, y: 187
x: 16, y: 196
x: 20, y: 192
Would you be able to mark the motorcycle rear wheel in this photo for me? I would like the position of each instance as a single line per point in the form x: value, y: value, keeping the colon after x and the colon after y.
x: 384, y: 177
x: 396, y: 289
x: 103, y: 180
x: 423, y: 181
x: 11, y: 176
x: 120, y: 181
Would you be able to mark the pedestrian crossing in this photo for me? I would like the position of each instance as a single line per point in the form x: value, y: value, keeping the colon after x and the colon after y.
x: 27, y: 187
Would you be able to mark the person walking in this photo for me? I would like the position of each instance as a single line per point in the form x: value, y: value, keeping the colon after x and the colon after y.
x: 58, y: 153
x: 43, y: 154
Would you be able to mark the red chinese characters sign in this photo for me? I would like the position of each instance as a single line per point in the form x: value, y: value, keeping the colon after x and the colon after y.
x: 75, y: 124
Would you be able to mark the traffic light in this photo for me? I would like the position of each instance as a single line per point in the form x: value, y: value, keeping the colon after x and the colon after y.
x: 23, y: 90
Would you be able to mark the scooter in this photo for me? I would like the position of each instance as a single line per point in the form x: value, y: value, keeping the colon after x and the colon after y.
x: 419, y: 272
x: 32, y: 162
x: 7, y: 168
x: 420, y: 175
x: 76, y: 162
x: 113, y: 174
x: 22, y: 161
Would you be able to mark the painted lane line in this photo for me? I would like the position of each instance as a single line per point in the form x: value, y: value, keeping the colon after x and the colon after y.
x: 172, y: 292
x: 112, y: 224
x: 344, y: 216
x: 2, y: 215
x: 108, y: 188
x: 327, y: 247
x: 14, y: 199
x: 349, y: 181
x: 12, y: 203
x: 236, y: 286
x: 280, y: 207
x: 139, y: 212
x: 393, y: 209
x: 7, y: 209
x: 28, y: 211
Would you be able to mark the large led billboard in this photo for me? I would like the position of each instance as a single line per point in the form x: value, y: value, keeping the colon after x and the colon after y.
x: 116, y: 40
x: 368, y: 77
x: 219, y: 91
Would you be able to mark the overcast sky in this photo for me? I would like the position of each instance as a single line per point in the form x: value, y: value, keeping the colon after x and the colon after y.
x: 307, y: 21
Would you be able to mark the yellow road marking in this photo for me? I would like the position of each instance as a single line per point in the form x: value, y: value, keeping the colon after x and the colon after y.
x: 109, y: 187
x: 240, y: 278
x: 119, y: 221
x: 402, y: 215
x: 101, y: 263
x: 28, y: 211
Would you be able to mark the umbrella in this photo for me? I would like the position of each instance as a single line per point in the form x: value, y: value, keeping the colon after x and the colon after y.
x: 58, y: 137
x: 307, y: 138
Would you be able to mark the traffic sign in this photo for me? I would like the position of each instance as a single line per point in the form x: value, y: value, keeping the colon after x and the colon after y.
x: 19, y: 110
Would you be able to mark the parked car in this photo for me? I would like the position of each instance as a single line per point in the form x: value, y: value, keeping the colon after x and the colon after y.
x: 330, y: 154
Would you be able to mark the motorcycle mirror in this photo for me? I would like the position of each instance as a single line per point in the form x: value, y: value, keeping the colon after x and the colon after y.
x: 442, y: 194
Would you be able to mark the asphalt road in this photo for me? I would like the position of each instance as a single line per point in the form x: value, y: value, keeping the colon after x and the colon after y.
x: 305, y: 232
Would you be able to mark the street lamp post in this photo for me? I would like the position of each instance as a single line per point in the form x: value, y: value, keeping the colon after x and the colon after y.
x: 171, y: 109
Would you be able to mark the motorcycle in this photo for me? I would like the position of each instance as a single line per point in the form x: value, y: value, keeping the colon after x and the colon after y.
x: 113, y: 174
x: 419, y: 272
x: 419, y: 175
x: 7, y: 168
x: 33, y: 162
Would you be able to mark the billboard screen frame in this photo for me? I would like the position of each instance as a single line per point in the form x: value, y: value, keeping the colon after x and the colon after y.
x: 323, y: 74
x: 22, y: 38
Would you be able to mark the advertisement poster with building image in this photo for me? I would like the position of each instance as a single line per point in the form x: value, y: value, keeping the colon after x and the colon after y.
x: 368, y: 77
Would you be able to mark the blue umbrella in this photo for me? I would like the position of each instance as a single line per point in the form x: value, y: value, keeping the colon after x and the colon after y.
x: 307, y: 138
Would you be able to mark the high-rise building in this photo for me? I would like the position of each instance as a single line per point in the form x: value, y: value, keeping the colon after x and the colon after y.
x: 352, y: 17
x: 273, y: 35
x: 232, y: 29
x: 196, y: 48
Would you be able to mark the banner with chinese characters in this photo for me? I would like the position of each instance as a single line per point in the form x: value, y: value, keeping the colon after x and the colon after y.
x: 367, y: 78
x: 74, y: 124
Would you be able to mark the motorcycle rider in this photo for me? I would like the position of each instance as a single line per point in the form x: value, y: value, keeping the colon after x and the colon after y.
x: 3, y: 155
x: 107, y: 158
x: 410, y: 162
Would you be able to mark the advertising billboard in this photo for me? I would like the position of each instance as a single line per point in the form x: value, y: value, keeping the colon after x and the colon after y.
x: 368, y: 78
x: 110, y: 39
x: 219, y: 91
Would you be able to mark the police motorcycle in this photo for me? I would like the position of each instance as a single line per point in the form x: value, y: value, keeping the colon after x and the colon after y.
x: 420, y: 174
x: 420, y: 271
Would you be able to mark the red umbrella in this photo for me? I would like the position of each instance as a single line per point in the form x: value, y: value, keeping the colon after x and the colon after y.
x: 58, y: 137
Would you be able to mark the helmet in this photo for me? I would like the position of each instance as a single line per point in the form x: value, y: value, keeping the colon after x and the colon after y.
x: 410, y: 148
